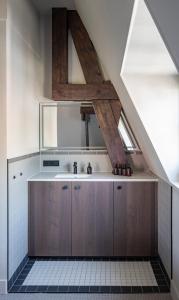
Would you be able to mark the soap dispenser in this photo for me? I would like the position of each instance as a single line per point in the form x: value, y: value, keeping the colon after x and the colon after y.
x: 89, y: 169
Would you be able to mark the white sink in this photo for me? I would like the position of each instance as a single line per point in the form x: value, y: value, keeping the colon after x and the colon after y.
x: 72, y: 176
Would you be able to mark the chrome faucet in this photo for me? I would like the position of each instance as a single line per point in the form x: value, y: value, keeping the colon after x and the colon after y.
x: 75, y: 168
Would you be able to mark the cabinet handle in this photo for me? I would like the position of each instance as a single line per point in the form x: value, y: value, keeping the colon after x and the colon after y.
x: 65, y: 187
x: 77, y: 187
x: 119, y: 187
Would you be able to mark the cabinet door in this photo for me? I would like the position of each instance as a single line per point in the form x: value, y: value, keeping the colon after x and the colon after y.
x: 135, y: 219
x: 92, y: 218
x: 49, y: 218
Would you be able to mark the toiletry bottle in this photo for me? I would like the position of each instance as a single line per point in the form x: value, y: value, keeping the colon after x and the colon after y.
x: 89, y: 169
x: 115, y: 170
x: 124, y: 170
x: 119, y: 170
x: 128, y: 170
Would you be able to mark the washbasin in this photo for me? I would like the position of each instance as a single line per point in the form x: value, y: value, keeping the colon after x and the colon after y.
x: 72, y: 176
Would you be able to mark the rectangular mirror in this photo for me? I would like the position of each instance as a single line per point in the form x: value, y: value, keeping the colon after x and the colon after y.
x: 70, y: 126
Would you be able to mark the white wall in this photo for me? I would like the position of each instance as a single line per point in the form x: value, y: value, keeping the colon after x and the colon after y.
x: 3, y: 162
x: 18, y: 208
x: 152, y: 82
x: 21, y: 67
x: 165, y: 13
x: 24, y: 78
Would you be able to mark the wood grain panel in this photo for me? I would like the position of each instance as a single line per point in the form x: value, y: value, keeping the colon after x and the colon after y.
x: 135, y: 224
x: 85, y: 49
x: 49, y: 218
x: 116, y: 109
x: 92, y: 219
x: 110, y: 131
x: 84, y: 92
x: 59, y: 47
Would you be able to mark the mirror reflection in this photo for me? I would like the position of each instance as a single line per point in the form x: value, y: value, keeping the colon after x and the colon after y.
x: 70, y: 126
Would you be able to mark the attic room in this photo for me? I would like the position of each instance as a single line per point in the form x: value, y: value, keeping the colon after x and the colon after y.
x: 89, y: 149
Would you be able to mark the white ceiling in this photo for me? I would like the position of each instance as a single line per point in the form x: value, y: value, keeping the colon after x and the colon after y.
x: 146, y: 52
x: 44, y: 6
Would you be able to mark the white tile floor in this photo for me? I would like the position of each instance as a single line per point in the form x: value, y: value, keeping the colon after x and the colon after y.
x: 91, y: 273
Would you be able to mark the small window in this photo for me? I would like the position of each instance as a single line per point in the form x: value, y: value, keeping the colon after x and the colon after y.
x: 129, y: 141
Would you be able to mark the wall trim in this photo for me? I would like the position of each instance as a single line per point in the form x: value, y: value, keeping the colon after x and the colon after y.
x: 3, y: 287
x: 174, y: 291
x: 18, y: 158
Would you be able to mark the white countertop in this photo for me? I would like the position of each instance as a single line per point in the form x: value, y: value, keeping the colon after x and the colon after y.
x: 50, y: 176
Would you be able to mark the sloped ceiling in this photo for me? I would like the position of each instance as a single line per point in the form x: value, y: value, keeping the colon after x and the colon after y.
x: 44, y: 6
x: 108, y: 24
x: 165, y: 14
x: 152, y: 81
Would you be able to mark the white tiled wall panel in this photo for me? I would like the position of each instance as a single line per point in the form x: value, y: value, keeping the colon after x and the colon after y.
x: 99, y: 162
x: 164, y: 224
x: 18, y: 209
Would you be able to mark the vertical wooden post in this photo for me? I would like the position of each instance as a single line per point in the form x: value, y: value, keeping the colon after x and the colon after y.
x: 59, y: 47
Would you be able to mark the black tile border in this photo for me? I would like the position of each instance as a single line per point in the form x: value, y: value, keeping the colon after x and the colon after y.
x: 156, y: 264
x: 161, y: 276
x: 18, y: 271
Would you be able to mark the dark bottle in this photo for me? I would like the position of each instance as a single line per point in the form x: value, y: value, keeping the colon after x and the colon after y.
x: 75, y: 169
x: 89, y: 169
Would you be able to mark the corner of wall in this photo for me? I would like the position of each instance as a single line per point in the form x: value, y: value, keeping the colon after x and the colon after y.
x: 174, y: 291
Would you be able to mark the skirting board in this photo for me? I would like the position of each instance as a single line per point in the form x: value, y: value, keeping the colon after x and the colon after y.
x: 174, y: 291
x: 3, y: 287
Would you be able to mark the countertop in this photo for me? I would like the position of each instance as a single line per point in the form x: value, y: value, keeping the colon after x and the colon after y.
x: 50, y: 176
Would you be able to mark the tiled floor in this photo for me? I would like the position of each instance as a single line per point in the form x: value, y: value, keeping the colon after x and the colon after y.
x: 92, y: 276
x: 91, y: 273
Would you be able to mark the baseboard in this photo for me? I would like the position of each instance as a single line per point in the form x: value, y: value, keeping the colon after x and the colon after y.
x: 3, y: 287
x: 174, y: 291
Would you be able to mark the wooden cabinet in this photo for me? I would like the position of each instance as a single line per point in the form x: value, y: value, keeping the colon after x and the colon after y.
x: 49, y: 218
x: 92, y: 219
x: 135, y: 224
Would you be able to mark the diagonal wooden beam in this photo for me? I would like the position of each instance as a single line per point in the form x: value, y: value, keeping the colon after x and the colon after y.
x: 116, y: 109
x: 85, y: 49
x: 110, y: 132
x: 84, y: 92
x: 59, y: 47
x: 107, y: 112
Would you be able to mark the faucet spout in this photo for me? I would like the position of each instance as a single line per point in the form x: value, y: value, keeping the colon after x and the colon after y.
x: 75, y: 168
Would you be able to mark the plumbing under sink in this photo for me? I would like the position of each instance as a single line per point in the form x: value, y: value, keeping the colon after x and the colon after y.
x: 72, y: 176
